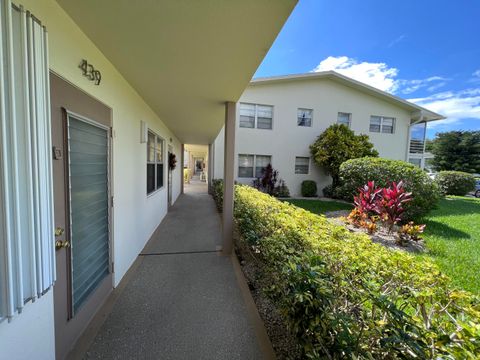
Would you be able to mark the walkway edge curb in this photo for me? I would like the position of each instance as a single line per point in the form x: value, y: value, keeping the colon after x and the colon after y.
x: 252, y: 312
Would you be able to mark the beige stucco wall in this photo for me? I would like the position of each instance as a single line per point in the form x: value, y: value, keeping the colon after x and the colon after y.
x: 287, y: 140
x: 135, y: 215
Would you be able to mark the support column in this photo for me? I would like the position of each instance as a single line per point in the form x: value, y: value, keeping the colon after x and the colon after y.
x: 210, y: 168
x: 182, y: 162
x: 228, y: 177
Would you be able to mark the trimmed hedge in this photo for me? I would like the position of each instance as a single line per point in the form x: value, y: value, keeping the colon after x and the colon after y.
x: 309, y: 188
x: 217, y: 193
x: 346, y: 297
x: 357, y: 172
x: 455, y: 182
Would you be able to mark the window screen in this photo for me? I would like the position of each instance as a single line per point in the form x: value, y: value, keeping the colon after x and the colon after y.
x: 304, y: 117
x: 247, y: 115
x: 261, y: 162
x: 245, y: 166
x: 344, y: 118
x: 302, y: 165
x: 264, y: 117
x: 155, y: 166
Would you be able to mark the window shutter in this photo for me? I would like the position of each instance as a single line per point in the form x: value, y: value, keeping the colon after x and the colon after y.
x: 26, y: 196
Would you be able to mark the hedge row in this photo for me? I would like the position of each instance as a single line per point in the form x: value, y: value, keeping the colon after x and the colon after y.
x: 346, y: 297
x: 356, y: 173
x: 217, y: 193
x: 455, y: 182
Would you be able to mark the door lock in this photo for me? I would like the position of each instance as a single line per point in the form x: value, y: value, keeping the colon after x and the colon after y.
x: 59, y: 244
x: 59, y: 231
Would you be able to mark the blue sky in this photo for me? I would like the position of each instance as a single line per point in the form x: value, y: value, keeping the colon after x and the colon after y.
x: 425, y: 51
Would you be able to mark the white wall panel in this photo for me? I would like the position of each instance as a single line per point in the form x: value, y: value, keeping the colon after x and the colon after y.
x: 26, y: 224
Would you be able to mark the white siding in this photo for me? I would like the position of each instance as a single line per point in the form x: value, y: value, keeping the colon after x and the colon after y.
x: 135, y: 215
x: 287, y: 140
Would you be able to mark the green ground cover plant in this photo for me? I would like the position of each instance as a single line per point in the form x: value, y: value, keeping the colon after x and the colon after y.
x: 346, y: 297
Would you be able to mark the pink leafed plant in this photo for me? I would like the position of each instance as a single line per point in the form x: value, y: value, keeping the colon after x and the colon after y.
x: 390, y: 205
x: 367, y: 199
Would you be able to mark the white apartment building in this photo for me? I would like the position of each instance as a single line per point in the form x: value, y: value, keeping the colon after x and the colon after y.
x: 278, y: 118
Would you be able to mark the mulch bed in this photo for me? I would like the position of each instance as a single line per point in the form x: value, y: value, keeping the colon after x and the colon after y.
x: 381, y: 236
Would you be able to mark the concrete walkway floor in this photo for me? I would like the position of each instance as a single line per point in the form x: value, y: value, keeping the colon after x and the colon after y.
x: 184, y: 300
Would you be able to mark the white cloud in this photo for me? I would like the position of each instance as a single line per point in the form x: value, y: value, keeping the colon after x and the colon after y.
x: 397, y: 40
x: 453, y: 105
x: 476, y: 76
x: 431, y: 83
x: 378, y: 75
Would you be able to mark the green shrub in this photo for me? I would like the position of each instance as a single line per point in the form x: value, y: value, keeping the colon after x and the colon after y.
x: 328, y: 191
x: 455, y: 182
x: 356, y: 173
x: 346, y: 297
x: 336, y: 145
x: 217, y: 193
x: 309, y: 188
x: 282, y: 190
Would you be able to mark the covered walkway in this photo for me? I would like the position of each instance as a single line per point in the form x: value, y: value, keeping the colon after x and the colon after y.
x: 184, y: 299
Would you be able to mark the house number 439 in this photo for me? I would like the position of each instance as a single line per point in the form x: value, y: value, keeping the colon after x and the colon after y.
x: 89, y: 71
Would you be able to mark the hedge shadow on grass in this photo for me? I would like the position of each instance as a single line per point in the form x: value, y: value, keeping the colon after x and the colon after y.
x: 444, y: 231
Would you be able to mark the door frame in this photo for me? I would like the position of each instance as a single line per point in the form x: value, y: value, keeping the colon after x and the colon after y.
x: 65, y: 95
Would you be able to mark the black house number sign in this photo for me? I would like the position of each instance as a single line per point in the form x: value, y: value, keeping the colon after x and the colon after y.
x: 90, y: 72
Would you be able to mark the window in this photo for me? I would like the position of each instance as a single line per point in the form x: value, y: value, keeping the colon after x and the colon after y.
x: 415, y: 161
x: 154, y: 162
x: 261, y: 162
x: 417, y: 138
x: 253, y: 115
x: 250, y: 166
x: 382, y: 124
x: 247, y: 115
x: 26, y: 185
x: 302, y: 165
x: 304, y: 117
x: 344, y: 118
x: 245, y: 166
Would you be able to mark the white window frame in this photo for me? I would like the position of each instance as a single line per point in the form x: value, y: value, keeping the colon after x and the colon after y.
x: 311, y: 117
x: 382, y: 118
x: 155, y: 162
x: 255, y: 121
x: 349, y: 118
x: 308, y: 165
x: 254, y: 165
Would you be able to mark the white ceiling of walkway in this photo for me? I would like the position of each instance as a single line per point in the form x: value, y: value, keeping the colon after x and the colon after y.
x: 184, y: 57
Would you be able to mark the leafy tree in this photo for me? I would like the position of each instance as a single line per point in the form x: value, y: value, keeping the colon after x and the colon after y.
x: 338, y: 144
x: 457, y: 151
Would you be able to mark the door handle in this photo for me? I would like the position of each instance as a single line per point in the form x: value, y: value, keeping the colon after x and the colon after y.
x: 60, y: 244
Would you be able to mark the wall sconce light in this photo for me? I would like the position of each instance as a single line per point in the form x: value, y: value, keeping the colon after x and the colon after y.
x: 143, y: 132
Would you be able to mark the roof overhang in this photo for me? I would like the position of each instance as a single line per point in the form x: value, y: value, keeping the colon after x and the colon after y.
x: 185, y: 58
x: 418, y: 113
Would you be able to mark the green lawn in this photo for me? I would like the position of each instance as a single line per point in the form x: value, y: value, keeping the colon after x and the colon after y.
x: 452, y: 236
x: 319, y: 206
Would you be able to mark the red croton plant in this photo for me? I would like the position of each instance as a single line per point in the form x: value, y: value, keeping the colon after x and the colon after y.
x: 385, y: 204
